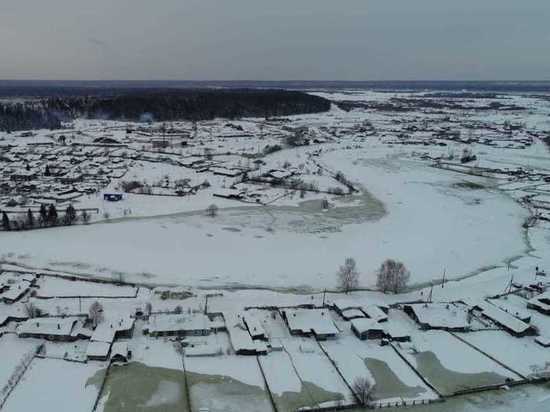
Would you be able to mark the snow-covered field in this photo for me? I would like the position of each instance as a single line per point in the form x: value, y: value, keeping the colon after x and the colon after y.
x: 429, y: 223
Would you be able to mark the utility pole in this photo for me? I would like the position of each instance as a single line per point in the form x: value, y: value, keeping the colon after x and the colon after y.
x: 444, y: 274
x: 324, y: 294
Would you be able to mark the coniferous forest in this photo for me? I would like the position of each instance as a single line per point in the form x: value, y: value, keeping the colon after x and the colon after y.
x: 155, y: 104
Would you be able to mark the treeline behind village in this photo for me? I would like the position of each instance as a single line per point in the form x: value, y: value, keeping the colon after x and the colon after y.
x: 154, y: 105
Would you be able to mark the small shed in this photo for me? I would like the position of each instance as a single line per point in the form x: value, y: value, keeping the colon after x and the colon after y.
x: 365, y: 328
x: 120, y: 352
x: 350, y: 314
x: 98, y: 351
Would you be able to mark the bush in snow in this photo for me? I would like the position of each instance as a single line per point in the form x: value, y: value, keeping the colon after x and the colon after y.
x: 95, y: 313
x: 212, y: 210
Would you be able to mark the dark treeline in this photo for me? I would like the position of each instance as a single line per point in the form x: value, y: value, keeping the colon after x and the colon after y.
x: 47, y: 216
x: 160, y: 105
x: 26, y: 116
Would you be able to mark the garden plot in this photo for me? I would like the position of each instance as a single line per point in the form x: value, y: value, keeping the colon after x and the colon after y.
x: 16, y: 354
x: 154, y: 381
x: 226, y: 383
x: 523, y: 355
x: 56, y: 385
x: 56, y: 287
x: 138, y: 387
x: 287, y: 390
x: 313, y: 367
x: 451, y: 365
x: 394, y: 380
x: 153, y: 352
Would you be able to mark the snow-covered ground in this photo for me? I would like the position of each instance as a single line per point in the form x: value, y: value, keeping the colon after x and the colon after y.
x: 52, y: 385
x: 280, y: 246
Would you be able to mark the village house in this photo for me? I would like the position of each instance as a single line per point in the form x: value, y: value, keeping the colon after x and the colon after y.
x: 310, y: 322
x: 240, y: 338
x: 506, y: 321
x: 98, y: 351
x: 254, y: 327
x: 540, y: 303
x: 120, y: 352
x: 54, y: 329
x: 196, y: 324
x: 23, y: 176
x: 172, y: 293
x: 442, y: 316
x: 365, y: 328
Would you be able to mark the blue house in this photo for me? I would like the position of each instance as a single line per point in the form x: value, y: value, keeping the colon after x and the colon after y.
x: 112, y: 197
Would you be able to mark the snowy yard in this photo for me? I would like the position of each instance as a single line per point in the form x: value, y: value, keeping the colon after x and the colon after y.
x: 56, y: 385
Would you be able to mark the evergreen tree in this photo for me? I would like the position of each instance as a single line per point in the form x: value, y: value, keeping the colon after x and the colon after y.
x: 52, y: 215
x: 85, y: 217
x: 47, y: 171
x: 70, y: 215
x: 30, y: 219
x: 5, y: 221
x: 43, y: 215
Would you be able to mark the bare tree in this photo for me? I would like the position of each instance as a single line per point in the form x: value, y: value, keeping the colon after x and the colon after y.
x: 212, y: 210
x: 392, y: 276
x: 362, y: 388
x: 348, y: 276
x: 31, y: 310
x: 148, y: 309
x: 96, y: 313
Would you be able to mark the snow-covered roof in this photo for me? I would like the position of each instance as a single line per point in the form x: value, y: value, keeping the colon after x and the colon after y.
x: 503, y: 318
x: 106, y: 330
x: 363, y: 325
x: 255, y: 327
x: 178, y: 323
x: 513, y: 310
x: 306, y: 321
x: 15, y: 290
x: 440, y: 315
x: 98, y: 349
x: 543, y: 340
x: 47, y: 326
x: 352, y: 313
x: 120, y: 349
x: 374, y: 312
x: 540, y: 301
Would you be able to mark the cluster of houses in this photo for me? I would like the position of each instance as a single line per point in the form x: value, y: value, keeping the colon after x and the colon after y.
x: 249, y: 330
x: 47, y: 173
x: 14, y: 286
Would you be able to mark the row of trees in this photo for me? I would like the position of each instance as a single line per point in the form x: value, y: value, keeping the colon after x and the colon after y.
x: 27, y: 116
x: 158, y: 105
x: 392, y: 276
x: 47, y: 216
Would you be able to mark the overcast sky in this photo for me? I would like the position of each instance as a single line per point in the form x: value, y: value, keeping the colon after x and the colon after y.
x: 275, y: 39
